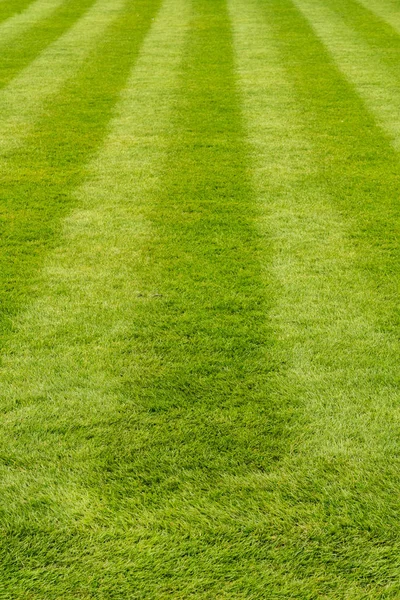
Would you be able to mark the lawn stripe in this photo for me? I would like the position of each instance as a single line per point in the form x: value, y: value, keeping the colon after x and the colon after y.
x: 333, y: 171
x: 58, y: 383
x: 379, y: 89
x: 386, y: 10
x: 24, y: 99
x: 198, y: 364
x: 41, y: 24
x: 37, y: 179
x: 378, y: 92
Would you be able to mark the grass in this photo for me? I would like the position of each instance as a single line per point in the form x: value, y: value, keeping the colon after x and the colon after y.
x: 8, y: 9
x: 54, y: 156
x: 41, y: 30
x: 337, y: 311
x: 199, y: 316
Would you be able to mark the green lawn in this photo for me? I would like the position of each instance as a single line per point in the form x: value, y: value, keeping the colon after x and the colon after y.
x: 199, y: 299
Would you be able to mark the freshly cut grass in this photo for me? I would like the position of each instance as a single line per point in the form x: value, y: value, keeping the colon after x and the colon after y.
x: 189, y: 471
x: 322, y: 166
x: 198, y: 280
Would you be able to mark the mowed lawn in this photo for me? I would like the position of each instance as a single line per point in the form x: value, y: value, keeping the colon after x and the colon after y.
x: 199, y: 299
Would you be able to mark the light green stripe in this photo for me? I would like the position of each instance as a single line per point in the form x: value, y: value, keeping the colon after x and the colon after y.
x: 18, y: 24
x: 357, y: 61
x: 89, y: 281
x: 23, y: 100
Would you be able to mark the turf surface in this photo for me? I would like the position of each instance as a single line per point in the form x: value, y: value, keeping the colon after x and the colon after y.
x: 199, y: 319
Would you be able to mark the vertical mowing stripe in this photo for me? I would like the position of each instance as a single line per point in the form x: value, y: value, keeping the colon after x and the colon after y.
x: 310, y: 316
x: 200, y: 330
x: 37, y: 179
x: 198, y: 364
x: 36, y: 31
x: 60, y: 377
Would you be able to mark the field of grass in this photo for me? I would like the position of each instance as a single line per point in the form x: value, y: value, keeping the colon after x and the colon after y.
x: 199, y: 299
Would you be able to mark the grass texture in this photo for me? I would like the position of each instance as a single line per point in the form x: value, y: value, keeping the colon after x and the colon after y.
x: 199, y: 318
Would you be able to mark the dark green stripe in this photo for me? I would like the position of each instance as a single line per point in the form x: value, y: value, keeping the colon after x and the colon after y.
x: 37, y: 181
x: 197, y: 371
x: 201, y: 325
x: 26, y: 48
